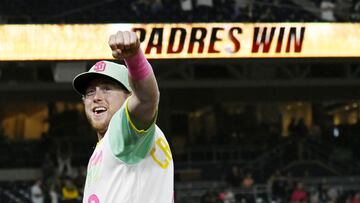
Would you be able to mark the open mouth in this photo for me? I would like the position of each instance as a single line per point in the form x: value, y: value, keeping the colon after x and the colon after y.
x: 98, y: 110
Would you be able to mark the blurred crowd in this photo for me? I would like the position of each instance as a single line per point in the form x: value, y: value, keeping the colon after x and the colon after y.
x: 220, y: 11
x: 144, y: 11
x: 61, y: 182
x: 245, y: 10
x: 280, y: 189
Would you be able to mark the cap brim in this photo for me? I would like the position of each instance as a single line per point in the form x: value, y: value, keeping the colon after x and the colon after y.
x: 82, y: 80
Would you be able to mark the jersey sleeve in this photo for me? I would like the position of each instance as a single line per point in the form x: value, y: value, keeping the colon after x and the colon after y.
x: 128, y: 143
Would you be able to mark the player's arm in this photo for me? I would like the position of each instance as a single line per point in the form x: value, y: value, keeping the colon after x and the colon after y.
x: 143, y: 103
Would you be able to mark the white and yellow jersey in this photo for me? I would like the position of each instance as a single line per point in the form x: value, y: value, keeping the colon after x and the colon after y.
x: 130, y: 165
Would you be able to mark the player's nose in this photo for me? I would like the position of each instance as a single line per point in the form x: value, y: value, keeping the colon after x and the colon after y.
x: 98, y: 94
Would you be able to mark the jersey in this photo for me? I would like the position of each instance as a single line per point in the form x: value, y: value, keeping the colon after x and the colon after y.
x: 130, y: 165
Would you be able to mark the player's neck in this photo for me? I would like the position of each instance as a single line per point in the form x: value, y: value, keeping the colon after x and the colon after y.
x: 100, y: 135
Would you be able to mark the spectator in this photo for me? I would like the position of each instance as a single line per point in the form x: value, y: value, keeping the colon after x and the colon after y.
x: 48, y: 169
x: 356, y: 11
x: 247, y: 184
x: 234, y: 178
x: 186, y: 9
x: 36, y: 192
x: 314, y: 196
x: 356, y: 198
x: 268, y: 16
x: 332, y: 194
x: 64, y: 162
x: 70, y: 192
x: 141, y: 8
x: 248, y: 181
x: 229, y: 196
x: 357, y: 6
x: 3, y: 137
x: 80, y: 178
x: 240, y: 7
x: 327, y: 8
x: 251, y: 8
x: 156, y: 7
x: 299, y: 195
x: 224, y: 10
x: 292, y: 127
x: 210, y: 197
x: 203, y: 9
x: 277, y: 184
x: 54, y: 196
x: 301, y: 128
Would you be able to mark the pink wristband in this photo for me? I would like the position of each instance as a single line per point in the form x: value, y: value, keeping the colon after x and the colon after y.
x: 138, y: 66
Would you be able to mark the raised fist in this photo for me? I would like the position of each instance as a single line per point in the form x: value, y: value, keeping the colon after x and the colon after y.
x: 124, y: 44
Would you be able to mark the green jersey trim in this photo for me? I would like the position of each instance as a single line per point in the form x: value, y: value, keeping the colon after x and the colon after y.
x: 127, y: 143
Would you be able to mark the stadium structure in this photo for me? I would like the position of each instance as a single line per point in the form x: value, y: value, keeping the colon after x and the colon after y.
x: 259, y: 99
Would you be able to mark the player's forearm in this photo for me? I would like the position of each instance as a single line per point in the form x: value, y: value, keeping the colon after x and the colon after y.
x: 144, y: 102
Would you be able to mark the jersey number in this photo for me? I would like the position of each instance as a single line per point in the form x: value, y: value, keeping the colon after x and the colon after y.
x: 93, y: 199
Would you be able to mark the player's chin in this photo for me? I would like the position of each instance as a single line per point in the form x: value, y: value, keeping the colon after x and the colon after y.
x: 99, y: 126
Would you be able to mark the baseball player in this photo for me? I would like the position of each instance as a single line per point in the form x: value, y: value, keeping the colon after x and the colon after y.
x: 132, y: 161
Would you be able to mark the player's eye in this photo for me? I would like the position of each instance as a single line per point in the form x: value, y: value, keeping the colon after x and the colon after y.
x: 107, y: 88
x: 89, y: 93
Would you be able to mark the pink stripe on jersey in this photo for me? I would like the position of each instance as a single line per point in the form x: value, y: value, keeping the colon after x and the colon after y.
x: 138, y: 66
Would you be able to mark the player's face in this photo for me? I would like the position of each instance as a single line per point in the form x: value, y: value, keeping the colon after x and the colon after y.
x: 103, y: 97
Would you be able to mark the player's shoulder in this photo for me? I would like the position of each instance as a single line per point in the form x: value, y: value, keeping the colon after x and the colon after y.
x: 158, y: 131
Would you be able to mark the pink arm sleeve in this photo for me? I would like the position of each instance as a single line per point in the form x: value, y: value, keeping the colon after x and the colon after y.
x: 138, y: 66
